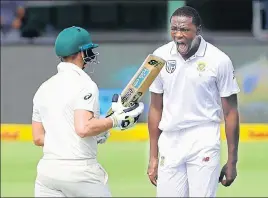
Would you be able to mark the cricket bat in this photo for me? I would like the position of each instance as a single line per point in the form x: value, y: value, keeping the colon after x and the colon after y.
x: 141, y: 81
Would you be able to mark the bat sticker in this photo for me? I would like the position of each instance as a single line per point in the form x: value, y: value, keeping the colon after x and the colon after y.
x: 143, y: 74
x: 153, y: 63
x: 136, y: 97
x: 127, y: 95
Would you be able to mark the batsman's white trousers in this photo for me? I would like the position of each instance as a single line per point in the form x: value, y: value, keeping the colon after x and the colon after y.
x: 189, y: 162
x: 71, y: 178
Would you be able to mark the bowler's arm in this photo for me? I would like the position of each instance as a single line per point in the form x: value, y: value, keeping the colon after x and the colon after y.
x: 38, y: 133
x: 154, y: 117
x: 231, y: 117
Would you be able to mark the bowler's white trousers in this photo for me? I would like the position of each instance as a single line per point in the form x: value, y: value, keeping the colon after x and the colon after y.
x: 71, y: 178
x: 189, y: 162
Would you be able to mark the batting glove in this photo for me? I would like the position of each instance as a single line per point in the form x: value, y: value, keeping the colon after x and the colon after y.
x: 125, y: 117
x: 102, y: 138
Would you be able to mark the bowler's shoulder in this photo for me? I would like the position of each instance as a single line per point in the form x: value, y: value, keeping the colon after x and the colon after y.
x: 217, y: 54
x: 164, y: 49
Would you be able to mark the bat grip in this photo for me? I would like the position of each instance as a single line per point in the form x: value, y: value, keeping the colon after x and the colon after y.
x: 131, y: 108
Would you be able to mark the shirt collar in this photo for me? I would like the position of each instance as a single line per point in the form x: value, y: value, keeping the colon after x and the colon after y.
x: 200, y: 52
x: 64, y: 66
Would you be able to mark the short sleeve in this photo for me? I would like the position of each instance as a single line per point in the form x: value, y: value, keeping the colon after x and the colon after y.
x: 226, y: 81
x: 157, y: 85
x: 36, y: 112
x: 86, y: 99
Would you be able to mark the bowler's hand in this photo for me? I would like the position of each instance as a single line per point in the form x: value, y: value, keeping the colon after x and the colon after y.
x: 152, y: 171
x: 229, y: 171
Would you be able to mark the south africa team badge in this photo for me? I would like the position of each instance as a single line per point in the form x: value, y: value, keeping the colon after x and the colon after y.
x: 171, y: 66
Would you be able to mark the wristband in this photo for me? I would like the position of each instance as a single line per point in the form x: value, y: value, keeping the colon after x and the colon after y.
x: 115, y: 121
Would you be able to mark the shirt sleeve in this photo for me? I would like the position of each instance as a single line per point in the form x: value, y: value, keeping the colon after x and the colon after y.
x: 36, y: 112
x: 86, y: 99
x: 157, y: 85
x: 226, y: 80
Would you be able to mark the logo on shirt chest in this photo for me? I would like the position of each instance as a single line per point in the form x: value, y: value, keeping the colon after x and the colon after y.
x: 171, y: 66
x: 87, y: 96
x: 201, y: 66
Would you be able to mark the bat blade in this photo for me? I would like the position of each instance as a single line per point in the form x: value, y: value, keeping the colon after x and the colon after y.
x: 141, y: 81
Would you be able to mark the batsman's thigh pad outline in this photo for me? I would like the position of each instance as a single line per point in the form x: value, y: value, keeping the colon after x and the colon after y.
x: 96, y: 174
x: 44, y: 187
x: 85, y: 189
x: 73, y: 170
x: 53, y: 187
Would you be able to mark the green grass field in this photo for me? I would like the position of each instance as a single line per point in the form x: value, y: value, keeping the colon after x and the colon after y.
x: 126, y: 165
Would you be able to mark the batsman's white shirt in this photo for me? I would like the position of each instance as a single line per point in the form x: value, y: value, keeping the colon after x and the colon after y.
x: 69, y: 166
x: 54, y: 104
x: 193, y: 88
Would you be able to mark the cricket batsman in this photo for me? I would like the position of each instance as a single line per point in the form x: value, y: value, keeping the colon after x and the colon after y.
x: 188, y: 98
x: 66, y: 123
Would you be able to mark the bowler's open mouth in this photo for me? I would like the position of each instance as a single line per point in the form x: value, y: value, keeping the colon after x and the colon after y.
x: 182, y: 47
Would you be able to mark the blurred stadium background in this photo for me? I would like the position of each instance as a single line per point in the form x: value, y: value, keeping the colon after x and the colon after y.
x: 127, y: 32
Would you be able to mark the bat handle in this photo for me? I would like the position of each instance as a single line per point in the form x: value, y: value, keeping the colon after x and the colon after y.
x: 115, y: 98
x: 109, y: 114
x: 133, y: 106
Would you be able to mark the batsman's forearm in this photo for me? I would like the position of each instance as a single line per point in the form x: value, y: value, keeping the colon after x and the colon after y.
x: 154, y: 132
x: 232, y: 134
x: 96, y: 126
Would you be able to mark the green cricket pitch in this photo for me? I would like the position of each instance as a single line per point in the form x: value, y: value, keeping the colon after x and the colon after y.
x: 126, y: 164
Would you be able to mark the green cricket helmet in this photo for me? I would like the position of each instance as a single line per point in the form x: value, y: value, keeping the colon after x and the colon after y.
x: 73, y: 40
